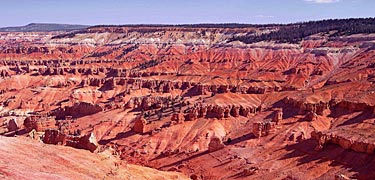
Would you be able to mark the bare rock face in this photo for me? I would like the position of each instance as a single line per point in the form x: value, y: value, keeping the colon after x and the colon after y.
x: 77, y: 110
x: 148, y: 103
x: 53, y: 136
x: 311, y: 116
x: 39, y: 123
x: 140, y: 125
x: 341, y: 177
x: 215, y: 144
x: 263, y: 128
x: 130, y: 104
x: 219, y: 111
x: 109, y: 84
x: 278, y: 116
x: 303, y: 107
x: 192, y: 115
x: 87, y: 141
x: 178, y: 117
x: 144, y: 69
x: 194, y: 177
x: 250, y: 171
x: 12, y: 125
x: 347, y: 140
x: 235, y: 111
x: 296, y: 136
x: 204, y: 89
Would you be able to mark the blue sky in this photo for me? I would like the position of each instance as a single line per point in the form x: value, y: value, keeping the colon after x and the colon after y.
x: 91, y: 12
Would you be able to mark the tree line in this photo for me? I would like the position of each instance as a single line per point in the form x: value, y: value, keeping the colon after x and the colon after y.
x: 294, y: 33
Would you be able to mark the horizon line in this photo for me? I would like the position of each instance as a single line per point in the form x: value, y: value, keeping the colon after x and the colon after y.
x: 198, y: 23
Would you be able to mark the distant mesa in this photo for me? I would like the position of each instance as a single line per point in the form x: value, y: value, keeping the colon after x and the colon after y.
x: 43, y: 27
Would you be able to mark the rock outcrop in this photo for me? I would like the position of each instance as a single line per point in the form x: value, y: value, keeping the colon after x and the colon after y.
x: 304, y: 107
x: 278, y: 116
x: 215, y: 144
x: 359, y: 142
x: 178, y: 118
x: 263, y: 128
x: 87, y: 141
x: 140, y: 125
x: 189, y: 83
x: 39, y: 123
x: 311, y: 116
x: 53, y: 136
x: 341, y: 177
x: 12, y: 125
x: 77, y: 110
x: 219, y: 111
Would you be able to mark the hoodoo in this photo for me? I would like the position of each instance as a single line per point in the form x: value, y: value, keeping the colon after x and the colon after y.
x: 205, y: 101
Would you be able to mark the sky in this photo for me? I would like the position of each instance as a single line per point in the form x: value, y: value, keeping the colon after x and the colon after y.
x: 94, y: 12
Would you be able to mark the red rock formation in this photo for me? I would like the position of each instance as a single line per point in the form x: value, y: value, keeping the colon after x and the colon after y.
x: 218, y: 111
x: 140, y: 125
x: 39, y: 123
x: 250, y: 171
x: 263, y: 128
x: 178, y: 117
x: 304, y: 107
x: 191, y: 115
x: 217, y: 86
x: 215, y: 144
x: 311, y: 116
x: 52, y: 136
x: 347, y: 140
x: 77, y: 110
x: 12, y: 125
x: 278, y: 116
x: 341, y: 177
x: 87, y: 141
